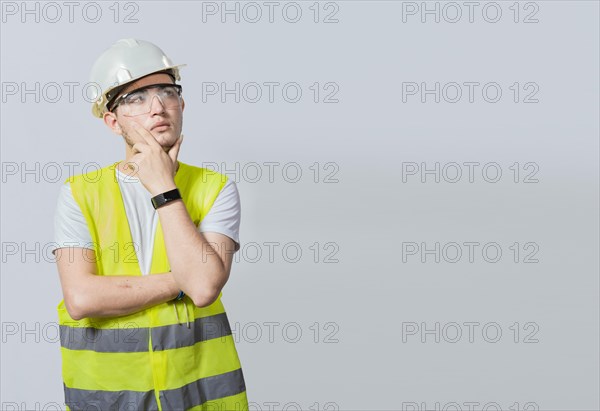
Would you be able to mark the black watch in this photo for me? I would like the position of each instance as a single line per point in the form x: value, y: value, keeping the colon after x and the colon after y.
x: 168, y: 196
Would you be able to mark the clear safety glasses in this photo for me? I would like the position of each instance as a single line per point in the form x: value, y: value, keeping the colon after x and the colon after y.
x: 139, y: 101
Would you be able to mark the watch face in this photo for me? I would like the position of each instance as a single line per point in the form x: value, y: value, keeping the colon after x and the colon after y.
x: 171, y: 195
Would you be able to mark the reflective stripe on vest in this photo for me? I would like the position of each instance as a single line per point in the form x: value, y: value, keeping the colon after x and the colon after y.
x: 119, y: 400
x: 201, y: 392
x: 136, y: 339
x: 148, y: 359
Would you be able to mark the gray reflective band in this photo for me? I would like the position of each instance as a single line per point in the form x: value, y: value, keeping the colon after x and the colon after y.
x: 204, y: 390
x: 86, y: 400
x: 136, y: 339
x: 178, y: 335
x: 104, y: 339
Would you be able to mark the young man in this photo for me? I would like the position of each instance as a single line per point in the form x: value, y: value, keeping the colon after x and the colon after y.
x: 144, y: 248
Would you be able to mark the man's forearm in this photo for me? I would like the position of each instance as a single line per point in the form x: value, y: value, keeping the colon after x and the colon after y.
x: 195, y: 265
x: 111, y: 296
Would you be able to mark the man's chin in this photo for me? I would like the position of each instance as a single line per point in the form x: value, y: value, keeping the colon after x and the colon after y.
x: 163, y: 138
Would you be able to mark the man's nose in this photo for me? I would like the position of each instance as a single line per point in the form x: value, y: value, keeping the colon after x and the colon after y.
x: 156, y: 105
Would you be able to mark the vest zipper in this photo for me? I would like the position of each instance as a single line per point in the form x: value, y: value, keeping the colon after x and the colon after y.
x: 151, y: 353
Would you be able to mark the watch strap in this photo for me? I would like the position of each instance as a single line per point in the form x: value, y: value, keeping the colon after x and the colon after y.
x: 166, y: 197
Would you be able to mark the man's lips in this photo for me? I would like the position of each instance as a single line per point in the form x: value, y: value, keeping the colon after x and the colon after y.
x: 160, y: 126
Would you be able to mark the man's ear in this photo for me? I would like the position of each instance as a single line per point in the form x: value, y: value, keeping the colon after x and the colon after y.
x: 182, y: 103
x: 110, y: 119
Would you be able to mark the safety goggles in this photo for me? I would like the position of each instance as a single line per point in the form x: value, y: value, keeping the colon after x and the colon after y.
x: 139, y: 101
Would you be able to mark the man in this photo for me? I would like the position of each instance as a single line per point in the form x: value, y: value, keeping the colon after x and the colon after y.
x: 145, y: 247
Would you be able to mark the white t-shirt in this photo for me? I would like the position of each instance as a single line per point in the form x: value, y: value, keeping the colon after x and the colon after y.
x: 71, y: 230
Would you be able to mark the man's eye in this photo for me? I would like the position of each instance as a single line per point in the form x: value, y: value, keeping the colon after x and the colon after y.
x: 134, y: 99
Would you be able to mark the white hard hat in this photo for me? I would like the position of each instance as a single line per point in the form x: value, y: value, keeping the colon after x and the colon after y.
x: 125, y: 61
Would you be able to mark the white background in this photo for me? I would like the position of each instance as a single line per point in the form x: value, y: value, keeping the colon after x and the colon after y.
x: 364, y: 302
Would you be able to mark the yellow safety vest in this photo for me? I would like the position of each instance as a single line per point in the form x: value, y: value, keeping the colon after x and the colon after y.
x: 147, y: 360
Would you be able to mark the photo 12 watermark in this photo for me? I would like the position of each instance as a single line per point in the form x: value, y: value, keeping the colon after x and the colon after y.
x: 57, y: 12
x: 236, y: 12
x: 469, y: 406
x: 453, y: 12
x: 270, y: 92
x: 470, y: 252
x: 469, y: 92
x: 469, y: 332
x: 49, y: 92
x: 469, y: 172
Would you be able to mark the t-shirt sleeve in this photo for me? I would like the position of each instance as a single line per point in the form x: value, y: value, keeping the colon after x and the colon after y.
x: 70, y: 227
x: 225, y: 214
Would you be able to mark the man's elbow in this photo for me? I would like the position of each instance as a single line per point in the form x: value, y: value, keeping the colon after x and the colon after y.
x: 75, y: 307
x: 205, y: 298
